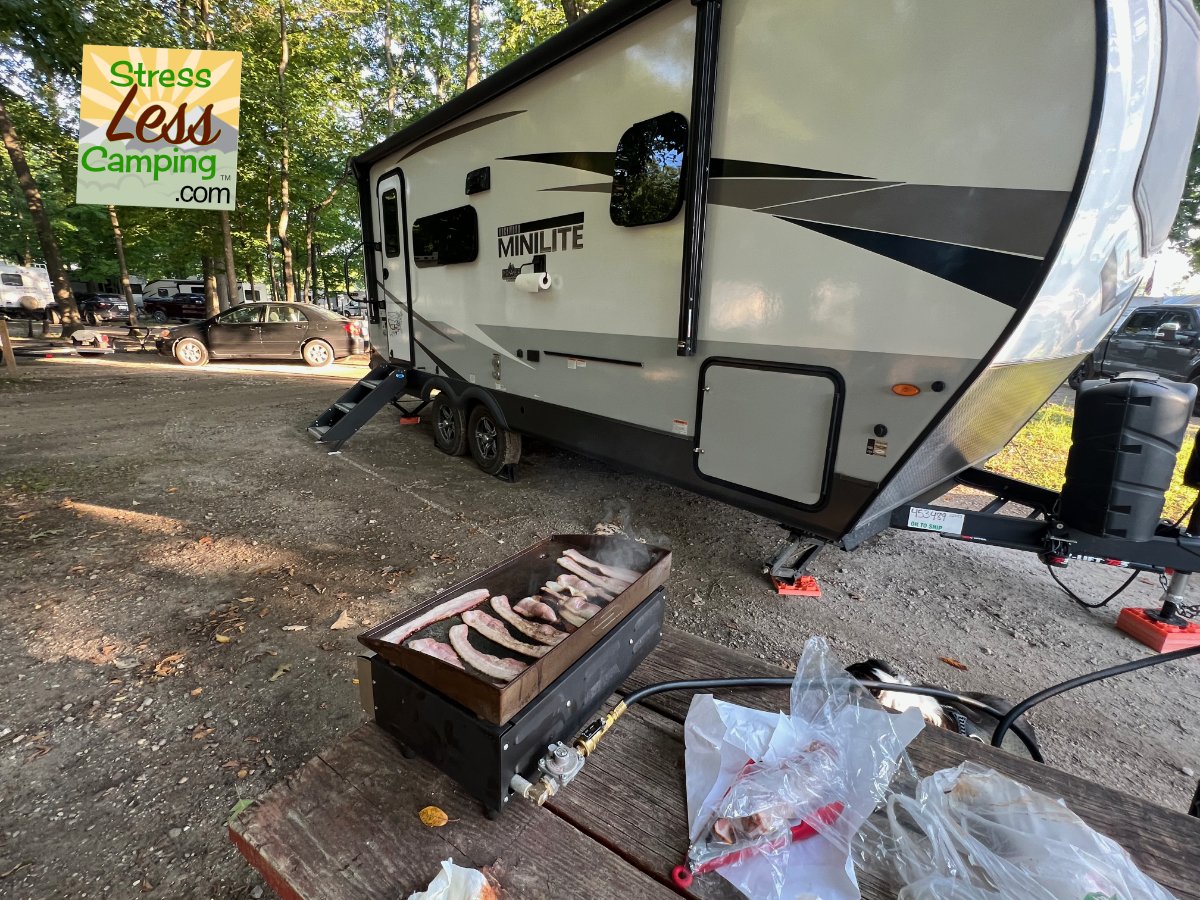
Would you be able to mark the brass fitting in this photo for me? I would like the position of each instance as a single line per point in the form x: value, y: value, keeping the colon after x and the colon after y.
x: 590, y: 737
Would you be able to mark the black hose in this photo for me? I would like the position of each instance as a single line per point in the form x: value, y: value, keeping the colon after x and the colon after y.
x: 1006, y: 722
x: 651, y: 689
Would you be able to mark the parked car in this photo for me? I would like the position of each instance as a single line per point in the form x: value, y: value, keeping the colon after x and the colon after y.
x: 184, y: 307
x: 265, y: 331
x: 97, y: 309
x: 1164, y: 340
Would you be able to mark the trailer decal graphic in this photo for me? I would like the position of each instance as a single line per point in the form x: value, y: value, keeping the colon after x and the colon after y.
x: 542, y: 236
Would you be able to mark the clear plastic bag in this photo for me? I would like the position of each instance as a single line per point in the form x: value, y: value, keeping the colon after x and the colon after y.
x: 970, y: 833
x: 775, y: 799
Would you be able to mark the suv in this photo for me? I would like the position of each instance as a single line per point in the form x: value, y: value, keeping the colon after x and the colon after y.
x: 1164, y: 340
x: 99, y: 308
x: 177, y: 306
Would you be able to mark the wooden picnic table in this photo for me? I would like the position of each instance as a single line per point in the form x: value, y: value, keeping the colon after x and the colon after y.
x: 345, y: 824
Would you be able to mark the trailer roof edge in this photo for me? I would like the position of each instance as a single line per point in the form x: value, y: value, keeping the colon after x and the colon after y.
x: 595, y: 26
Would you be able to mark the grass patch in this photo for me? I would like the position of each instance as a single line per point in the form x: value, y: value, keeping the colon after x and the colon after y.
x: 29, y: 481
x: 1038, y: 454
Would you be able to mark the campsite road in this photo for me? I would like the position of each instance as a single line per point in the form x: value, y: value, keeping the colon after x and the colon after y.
x: 161, y: 529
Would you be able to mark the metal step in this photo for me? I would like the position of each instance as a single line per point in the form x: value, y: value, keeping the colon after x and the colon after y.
x: 358, y: 405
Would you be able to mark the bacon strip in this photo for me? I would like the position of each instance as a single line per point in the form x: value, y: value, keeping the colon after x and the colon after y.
x: 544, y: 634
x: 577, y: 610
x: 437, y: 650
x: 578, y: 586
x: 493, y: 629
x: 533, y: 608
x: 451, y: 607
x: 494, y: 666
x: 627, y: 575
x: 612, y: 585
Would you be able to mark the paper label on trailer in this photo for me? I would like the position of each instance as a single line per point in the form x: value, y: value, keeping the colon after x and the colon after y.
x: 679, y: 426
x: 936, y: 520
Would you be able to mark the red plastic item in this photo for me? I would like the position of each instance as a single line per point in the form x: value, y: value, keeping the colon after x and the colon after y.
x: 804, y: 586
x: 683, y: 876
x: 410, y: 420
x: 1157, y: 635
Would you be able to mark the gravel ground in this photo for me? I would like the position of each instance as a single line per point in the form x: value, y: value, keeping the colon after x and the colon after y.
x: 146, y: 510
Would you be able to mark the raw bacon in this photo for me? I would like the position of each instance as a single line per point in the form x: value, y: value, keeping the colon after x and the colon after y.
x: 493, y: 629
x: 445, y: 610
x: 545, y: 634
x: 612, y: 585
x: 577, y: 610
x: 578, y: 586
x: 626, y: 575
x: 494, y: 666
x: 436, y: 649
x: 533, y: 608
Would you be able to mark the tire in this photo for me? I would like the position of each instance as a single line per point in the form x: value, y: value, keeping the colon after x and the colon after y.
x: 190, y: 352
x: 53, y: 317
x: 492, y: 447
x: 317, y: 353
x: 159, y: 316
x: 449, y: 426
x: 1195, y: 379
x: 93, y: 318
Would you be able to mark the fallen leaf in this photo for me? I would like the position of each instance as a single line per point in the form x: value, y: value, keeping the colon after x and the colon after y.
x: 283, y: 667
x: 147, y: 887
x: 201, y: 733
x: 232, y: 764
x: 295, y: 627
x: 252, y: 739
x: 950, y: 661
x: 166, y: 666
x: 317, y: 586
x: 328, y: 646
x: 172, y: 490
x: 207, y: 539
x: 354, y: 681
x: 433, y: 817
x: 242, y: 773
x: 244, y: 803
x: 222, y: 638
x: 245, y: 599
x: 196, y: 692
x: 343, y: 622
x: 262, y: 613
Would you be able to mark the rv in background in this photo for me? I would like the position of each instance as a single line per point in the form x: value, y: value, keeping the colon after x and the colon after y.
x: 25, y: 291
x: 248, y: 292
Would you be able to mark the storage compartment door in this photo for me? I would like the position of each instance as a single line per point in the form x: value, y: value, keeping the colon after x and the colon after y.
x: 769, y: 430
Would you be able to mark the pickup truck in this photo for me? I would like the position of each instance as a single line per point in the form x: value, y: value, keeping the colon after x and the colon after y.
x: 186, y: 307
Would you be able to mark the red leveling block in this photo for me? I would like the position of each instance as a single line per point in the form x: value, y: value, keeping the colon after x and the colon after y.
x: 804, y: 586
x: 1158, y: 635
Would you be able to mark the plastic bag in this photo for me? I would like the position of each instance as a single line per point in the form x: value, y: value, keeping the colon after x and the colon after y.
x: 775, y: 799
x: 456, y: 883
x: 971, y: 833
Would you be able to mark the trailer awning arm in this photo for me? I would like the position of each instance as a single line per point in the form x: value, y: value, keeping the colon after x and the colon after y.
x: 699, y: 158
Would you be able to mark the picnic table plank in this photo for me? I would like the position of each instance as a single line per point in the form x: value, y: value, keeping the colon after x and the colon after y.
x: 345, y: 826
x: 1165, y: 844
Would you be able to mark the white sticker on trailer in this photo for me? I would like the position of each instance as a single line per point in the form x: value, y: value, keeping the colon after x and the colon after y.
x: 936, y: 520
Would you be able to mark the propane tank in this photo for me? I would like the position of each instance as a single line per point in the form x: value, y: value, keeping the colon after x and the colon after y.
x: 1126, y: 436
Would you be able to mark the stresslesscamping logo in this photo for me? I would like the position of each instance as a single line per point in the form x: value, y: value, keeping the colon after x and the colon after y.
x: 159, y: 127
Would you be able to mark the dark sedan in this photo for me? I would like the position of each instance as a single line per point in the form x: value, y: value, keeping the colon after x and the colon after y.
x: 265, y: 331
x: 99, y: 308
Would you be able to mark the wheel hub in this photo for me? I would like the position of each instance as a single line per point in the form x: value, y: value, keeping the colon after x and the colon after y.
x: 446, y: 425
x: 485, y: 438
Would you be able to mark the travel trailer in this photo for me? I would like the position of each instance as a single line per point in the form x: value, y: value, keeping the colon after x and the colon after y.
x: 168, y: 287
x: 812, y: 259
x: 25, y: 291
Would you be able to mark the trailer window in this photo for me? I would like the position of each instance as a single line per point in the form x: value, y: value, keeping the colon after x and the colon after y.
x: 11, y: 280
x: 390, y: 213
x: 446, y: 238
x: 648, y: 172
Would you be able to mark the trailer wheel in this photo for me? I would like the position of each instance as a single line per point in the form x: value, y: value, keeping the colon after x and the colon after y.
x: 449, y: 426
x: 159, y: 316
x: 492, y: 447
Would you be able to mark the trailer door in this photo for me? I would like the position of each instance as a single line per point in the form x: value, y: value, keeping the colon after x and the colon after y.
x: 391, y: 274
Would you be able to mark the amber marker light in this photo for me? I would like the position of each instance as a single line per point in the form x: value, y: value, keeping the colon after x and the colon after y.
x: 905, y: 390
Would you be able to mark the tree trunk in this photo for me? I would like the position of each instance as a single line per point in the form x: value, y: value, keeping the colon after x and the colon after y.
x: 250, y: 280
x: 230, y: 265
x: 126, y: 288
x: 570, y: 11
x: 210, y: 286
x: 389, y: 65
x: 63, y: 295
x: 472, y: 43
x: 289, y: 281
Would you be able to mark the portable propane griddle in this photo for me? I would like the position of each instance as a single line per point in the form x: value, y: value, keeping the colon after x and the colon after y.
x: 489, y: 737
